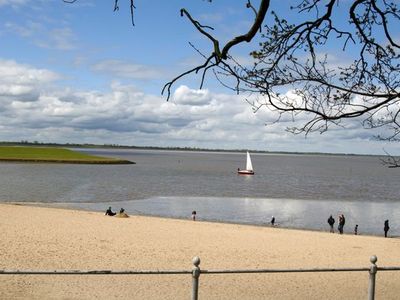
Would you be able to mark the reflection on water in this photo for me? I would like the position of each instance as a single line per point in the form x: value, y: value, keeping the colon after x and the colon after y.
x: 304, y: 214
x: 171, y: 183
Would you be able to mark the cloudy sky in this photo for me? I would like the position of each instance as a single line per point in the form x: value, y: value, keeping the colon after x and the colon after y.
x: 81, y: 73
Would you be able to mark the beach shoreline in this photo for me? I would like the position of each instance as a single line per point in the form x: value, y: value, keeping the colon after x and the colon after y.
x: 43, y: 238
x: 67, y: 206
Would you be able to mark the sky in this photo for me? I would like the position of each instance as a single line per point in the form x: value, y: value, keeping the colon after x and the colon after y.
x: 81, y: 73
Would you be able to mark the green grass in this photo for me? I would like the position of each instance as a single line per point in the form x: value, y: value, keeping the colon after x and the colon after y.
x: 49, y: 154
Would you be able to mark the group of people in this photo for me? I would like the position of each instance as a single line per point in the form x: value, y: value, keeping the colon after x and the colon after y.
x: 331, y: 221
x: 342, y: 221
x: 121, y: 214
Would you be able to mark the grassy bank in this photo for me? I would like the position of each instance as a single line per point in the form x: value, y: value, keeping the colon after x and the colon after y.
x: 53, y: 155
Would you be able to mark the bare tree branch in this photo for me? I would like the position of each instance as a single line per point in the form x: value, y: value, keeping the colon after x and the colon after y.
x: 390, y: 161
x: 293, y: 72
x: 217, y: 56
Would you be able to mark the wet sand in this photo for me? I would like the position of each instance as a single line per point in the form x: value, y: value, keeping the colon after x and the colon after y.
x: 37, y: 238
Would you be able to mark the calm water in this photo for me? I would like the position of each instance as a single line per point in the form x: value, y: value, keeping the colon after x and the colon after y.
x: 299, y: 190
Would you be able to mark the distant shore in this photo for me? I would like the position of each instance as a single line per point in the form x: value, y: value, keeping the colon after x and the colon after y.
x: 30, y: 154
x: 70, y: 161
x: 191, y: 149
x: 39, y: 238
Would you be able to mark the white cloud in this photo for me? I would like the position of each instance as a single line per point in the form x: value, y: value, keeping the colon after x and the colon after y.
x: 123, y: 69
x: 39, y: 34
x: 24, y: 31
x: 12, y: 72
x: 62, y: 39
x: 22, y: 81
x: 57, y: 38
x: 184, y: 95
x: 33, y: 107
x: 122, y: 111
x: 15, y: 90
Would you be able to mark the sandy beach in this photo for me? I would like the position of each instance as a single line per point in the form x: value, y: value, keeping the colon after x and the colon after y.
x: 37, y: 238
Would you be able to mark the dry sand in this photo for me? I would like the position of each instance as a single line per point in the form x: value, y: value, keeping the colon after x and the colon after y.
x: 36, y: 238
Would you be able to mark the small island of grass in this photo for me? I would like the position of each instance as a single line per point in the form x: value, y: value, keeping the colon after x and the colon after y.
x: 53, y: 155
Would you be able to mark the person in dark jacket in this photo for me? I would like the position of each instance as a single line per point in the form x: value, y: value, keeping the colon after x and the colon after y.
x: 342, y: 221
x: 109, y: 212
x: 386, y: 227
x: 331, y: 222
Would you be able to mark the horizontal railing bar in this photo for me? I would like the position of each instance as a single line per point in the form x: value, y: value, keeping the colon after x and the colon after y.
x: 388, y: 268
x: 284, y: 271
x: 177, y: 272
x: 99, y: 272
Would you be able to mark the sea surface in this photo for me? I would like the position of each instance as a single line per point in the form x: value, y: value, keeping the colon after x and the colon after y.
x: 301, y: 191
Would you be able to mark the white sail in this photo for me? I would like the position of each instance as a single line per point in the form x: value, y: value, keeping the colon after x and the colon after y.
x: 249, y: 165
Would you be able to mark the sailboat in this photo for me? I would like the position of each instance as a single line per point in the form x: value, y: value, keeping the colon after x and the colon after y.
x: 249, y: 167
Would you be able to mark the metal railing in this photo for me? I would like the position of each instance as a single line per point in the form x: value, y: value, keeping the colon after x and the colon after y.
x: 196, y: 272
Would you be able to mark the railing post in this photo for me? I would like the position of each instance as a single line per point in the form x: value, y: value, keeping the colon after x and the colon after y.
x: 372, y: 274
x: 195, y: 277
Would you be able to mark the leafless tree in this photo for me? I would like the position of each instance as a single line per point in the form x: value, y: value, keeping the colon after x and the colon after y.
x: 292, y: 58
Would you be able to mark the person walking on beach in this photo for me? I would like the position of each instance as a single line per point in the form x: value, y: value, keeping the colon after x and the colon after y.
x: 356, y: 230
x: 109, y: 212
x: 331, y: 221
x: 273, y: 221
x: 386, y: 227
x: 342, y: 221
x: 194, y: 215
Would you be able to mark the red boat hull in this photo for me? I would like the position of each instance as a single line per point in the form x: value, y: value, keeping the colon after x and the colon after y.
x: 245, y: 172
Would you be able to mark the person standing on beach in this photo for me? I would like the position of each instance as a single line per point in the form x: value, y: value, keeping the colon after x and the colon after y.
x: 342, y: 221
x: 386, y: 227
x: 331, y: 221
x: 273, y: 221
x: 194, y: 215
x: 356, y: 230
